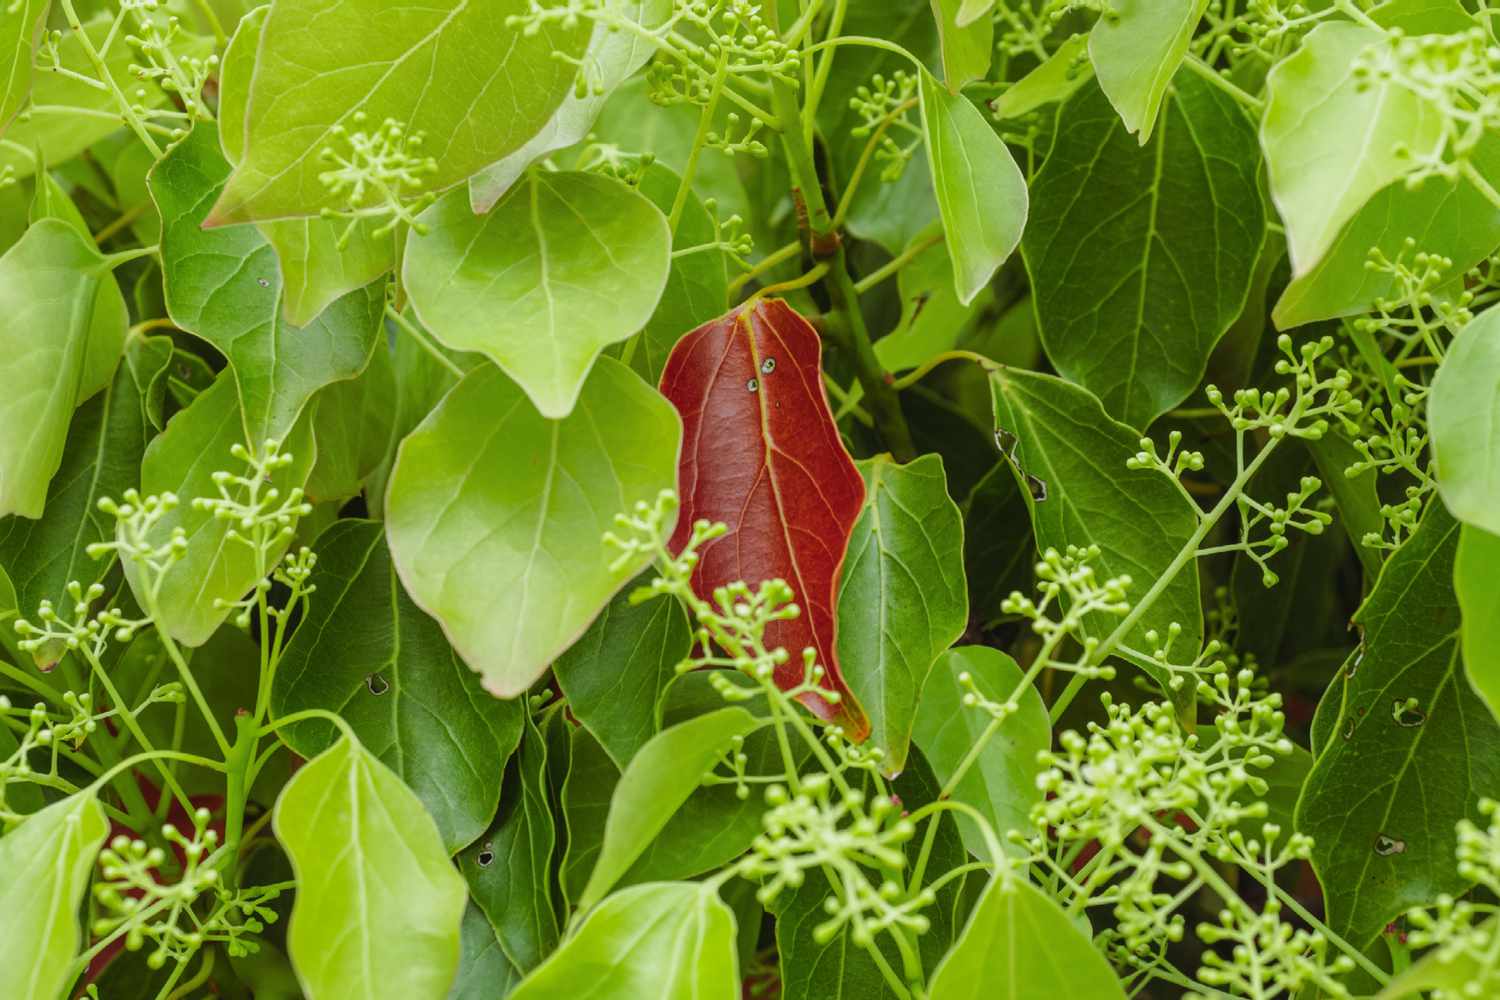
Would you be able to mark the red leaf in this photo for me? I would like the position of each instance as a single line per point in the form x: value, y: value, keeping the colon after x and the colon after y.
x: 761, y: 453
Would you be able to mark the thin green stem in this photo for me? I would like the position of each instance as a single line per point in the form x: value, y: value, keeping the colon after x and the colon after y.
x: 422, y: 340
x: 937, y: 360
x: 1213, y: 76
x: 700, y: 139
x: 899, y: 262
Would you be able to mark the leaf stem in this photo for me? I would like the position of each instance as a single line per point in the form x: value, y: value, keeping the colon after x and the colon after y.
x: 900, y: 261
x: 926, y: 368
x: 422, y: 340
x: 1213, y: 76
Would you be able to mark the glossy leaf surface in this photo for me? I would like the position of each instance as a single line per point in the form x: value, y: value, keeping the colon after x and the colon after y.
x: 496, y: 514
x: 1382, y: 801
x: 672, y: 940
x: 378, y: 905
x: 225, y: 286
x: 364, y: 650
x: 902, y: 598
x: 474, y: 88
x: 1142, y: 257
x: 748, y: 387
x: 47, y: 862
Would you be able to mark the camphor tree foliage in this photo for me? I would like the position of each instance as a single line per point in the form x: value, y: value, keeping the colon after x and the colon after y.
x: 823, y: 499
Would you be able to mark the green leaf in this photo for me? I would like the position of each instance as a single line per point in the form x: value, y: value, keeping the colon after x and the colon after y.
x: 236, y: 70
x: 378, y: 905
x: 999, y: 554
x: 902, y: 596
x: 1463, y: 413
x: 484, y: 970
x: 657, y: 782
x: 102, y: 458
x: 586, y: 792
x: 613, y: 56
x: 20, y: 30
x: 496, y: 515
x: 1136, y: 49
x: 182, y: 461
x: 47, y: 862
x: 933, y: 320
x: 1384, y: 796
x: 1476, y: 581
x: 224, y: 285
x: 1142, y: 258
x: 452, y: 72
x: 1454, y: 971
x: 967, y: 44
x: 509, y: 871
x: 52, y: 280
x: 697, y: 288
x: 1069, y: 457
x: 1331, y: 138
x: 1056, y: 79
x: 1020, y: 944
x: 1444, y: 217
x: 614, y: 675
x: 665, y: 940
x: 365, y: 651
x: 1001, y: 784
x: 566, y: 265
x: 981, y: 194
x: 352, y: 423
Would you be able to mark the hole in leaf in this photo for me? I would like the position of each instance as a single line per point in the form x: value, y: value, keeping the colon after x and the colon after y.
x: 486, y: 856
x: 1387, y: 846
x: 768, y: 366
x: 377, y: 684
x: 753, y: 385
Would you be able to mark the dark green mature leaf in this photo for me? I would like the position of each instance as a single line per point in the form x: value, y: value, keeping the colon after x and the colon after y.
x: 1142, y: 257
x: 509, y: 870
x: 1136, y: 51
x: 1019, y: 944
x: 1332, y: 140
x: 496, y: 514
x: 225, y: 286
x: 352, y: 423
x: 1383, y: 798
x: 981, y: 194
x: 998, y: 550
x: 891, y: 214
x: 902, y: 594
x: 52, y: 280
x: 484, y: 970
x: 473, y: 87
x: 1001, y: 784
x: 667, y: 940
x: 47, y: 863
x: 567, y: 264
x: 1071, y: 458
x: 1357, y: 499
x: 586, y: 792
x: 182, y: 460
x: 102, y: 458
x: 614, y: 675
x: 1463, y: 412
x: 1476, y: 581
x: 659, y: 779
x: 365, y: 651
x: 378, y: 904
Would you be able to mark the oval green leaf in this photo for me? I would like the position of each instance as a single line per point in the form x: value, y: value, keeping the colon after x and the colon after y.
x: 1463, y: 412
x: 1136, y: 48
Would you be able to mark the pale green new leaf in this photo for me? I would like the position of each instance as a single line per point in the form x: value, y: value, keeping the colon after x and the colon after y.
x: 1001, y: 784
x: 967, y: 41
x: 452, y: 71
x: 665, y: 940
x: 214, y: 567
x: 496, y: 514
x: 902, y: 596
x: 1331, y: 138
x: 565, y: 265
x: 659, y: 779
x: 365, y: 651
x: 378, y: 905
x: 1069, y: 458
x: 1142, y: 257
x: 981, y: 194
x: 1476, y: 582
x: 613, y: 56
x: 1062, y: 73
x: 47, y: 862
x: 1385, y: 795
x: 1136, y: 49
x: 224, y: 285
x: 236, y: 70
x: 1463, y: 413
x: 20, y: 27
x: 1020, y: 945
x: 55, y: 281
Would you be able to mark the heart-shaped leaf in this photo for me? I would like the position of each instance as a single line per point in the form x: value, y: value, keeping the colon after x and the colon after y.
x: 763, y: 456
x: 496, y: 515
